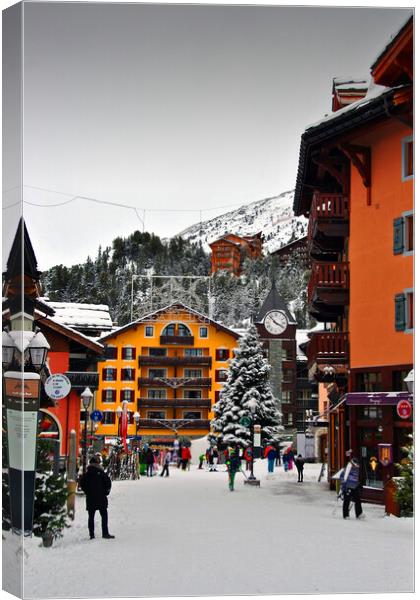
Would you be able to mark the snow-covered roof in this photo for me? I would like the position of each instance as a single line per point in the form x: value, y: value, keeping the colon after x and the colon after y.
x: 301, y: 338
x: 350, y: 83
x: 93, y: 317
x: 390, y: 41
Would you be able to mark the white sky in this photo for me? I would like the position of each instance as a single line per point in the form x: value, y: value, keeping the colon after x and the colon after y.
x: 171, y: 107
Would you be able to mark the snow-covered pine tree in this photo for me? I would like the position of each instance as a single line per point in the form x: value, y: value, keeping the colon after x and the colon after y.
x: 405, y: 491
x: 247, y: 382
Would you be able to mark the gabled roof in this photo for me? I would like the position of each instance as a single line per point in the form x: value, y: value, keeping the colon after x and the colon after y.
x: 174, y: 305
x: 274, y: 302
x: 399, y: 45
x: 70, y: 333
x: 82, y: 316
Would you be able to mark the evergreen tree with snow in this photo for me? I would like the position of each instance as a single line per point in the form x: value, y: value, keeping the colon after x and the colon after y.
x: 247, y: 384
x: 405, y: 491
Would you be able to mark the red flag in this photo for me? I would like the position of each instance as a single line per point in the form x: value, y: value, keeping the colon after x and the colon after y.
x: 124, y: 426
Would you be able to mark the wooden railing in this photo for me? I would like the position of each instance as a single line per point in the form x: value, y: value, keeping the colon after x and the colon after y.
x: 328, y: 275
x: 175, y: 382
x: 327, y: 206
x: 328, y: 347
x: 174, y: 403
x: 174, y: 424
x: 179, y: 340
x: 80, y: 380
x: 175, y: 360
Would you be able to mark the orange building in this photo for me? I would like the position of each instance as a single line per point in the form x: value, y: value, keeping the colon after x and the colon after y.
x: 228, y: 252
x: 169, y: 366
x: 355, y: 184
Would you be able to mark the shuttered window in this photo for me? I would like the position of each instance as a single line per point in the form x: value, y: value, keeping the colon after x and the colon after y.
x: 398, y: 235
x: 109, y: 374
x: 108, y: 395
x: 127, y: 395
x: 400, y: 318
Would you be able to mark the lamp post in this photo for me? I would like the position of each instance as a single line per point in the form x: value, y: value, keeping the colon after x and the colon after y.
x: 252, y: 406
x: 86, y: 397
x: 119, y: 411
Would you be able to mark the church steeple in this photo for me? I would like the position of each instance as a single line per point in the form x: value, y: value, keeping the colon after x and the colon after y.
x: 274, y: 301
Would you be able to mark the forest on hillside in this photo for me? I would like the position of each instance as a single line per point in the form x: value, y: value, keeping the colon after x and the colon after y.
x: 123, y: 271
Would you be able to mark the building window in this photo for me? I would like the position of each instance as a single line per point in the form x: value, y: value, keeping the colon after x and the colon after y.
x: 404, y: 234
x: 156, y: 394
x: 183, y: 331
x: 109, y: 395
x: 154, y: 373
x: 193, y: 352
x: 221, y: 375
x: 288, y: 375
x: 191, y: 415
x: 127, y: 374
x: 111, y: 352
x: 109, y: 374
x: 157, y: 351
x: 222, y: 354
x: 407, y: 158
x: 108, y: 418
x: 204, y: 332
x: 286, y: 354
x: 304, y: 394
x: 290, y: 419
x: 404, y: 311
x: 149, y: 331
x: 128, y: 353
x: 127, y: 395
x: 193, y: 394
x: 398, y: 383
x: 286, y: 397
x: 370, y: 412
x: 193, y: 373
x: 156, y: 414
x: 369, y: 382
x: 216, y: 396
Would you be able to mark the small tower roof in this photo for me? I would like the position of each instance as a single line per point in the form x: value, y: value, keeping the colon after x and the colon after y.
x: 274, y: 301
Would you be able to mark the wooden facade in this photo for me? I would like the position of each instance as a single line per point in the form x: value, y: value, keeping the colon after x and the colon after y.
x: 229, y: 251
x: 355, y: 185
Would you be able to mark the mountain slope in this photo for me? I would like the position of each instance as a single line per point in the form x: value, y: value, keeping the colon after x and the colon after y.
x: 273, y: 216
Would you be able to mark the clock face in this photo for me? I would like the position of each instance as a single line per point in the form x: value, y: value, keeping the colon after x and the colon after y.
x: 275, y: 322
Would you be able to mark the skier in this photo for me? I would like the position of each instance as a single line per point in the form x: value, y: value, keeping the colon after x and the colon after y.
x: 299, y: 462
x: 270, y: 455
x: 233, y: 465
x: 350, y: 487
x: 166, y: 461
x: 96, y: 485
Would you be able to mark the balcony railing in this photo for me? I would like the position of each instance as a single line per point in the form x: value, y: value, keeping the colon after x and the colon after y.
x: 178, y: 340
x: 204, y: 361
x: 332, y: 209
x: 174, y: 424
x: 328, y: 275
x: 81, y: 380
x: 328, y: 347
x: 174, y: 403
x: 174, y: 382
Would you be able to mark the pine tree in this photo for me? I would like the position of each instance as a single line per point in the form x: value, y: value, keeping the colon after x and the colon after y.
x: 247, y: 382
x: 404, y: 495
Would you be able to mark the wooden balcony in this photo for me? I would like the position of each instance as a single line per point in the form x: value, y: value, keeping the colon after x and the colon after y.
x: 81, y: 380
x: 328, y: 355
x: 204, y: 361
x: 174, y: 403
x: 174, y: 424
x: 174, y: 382
x: 176, y: 340
x: 329, y: 285
x: 328, y: 225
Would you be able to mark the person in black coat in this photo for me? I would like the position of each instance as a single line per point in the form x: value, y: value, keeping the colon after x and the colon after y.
x: 299, y: 462
x: 150, y: 461
x: 96, y: 485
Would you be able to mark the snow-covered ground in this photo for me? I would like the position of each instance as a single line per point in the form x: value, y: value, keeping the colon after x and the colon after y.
x: 188, y: 535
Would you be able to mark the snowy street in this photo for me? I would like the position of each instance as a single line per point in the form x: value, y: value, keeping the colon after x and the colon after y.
x: 188, y: 535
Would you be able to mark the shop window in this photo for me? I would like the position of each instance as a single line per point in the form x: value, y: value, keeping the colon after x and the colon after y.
x: 156, y: 394
x: 407, y: 158
x: 404, y: 234
x: 370, y: 412
x: 156, y: 414
x: 127, y: 374
x: 109, y: 374
x: 109, y: 395
x: 127, y: 395
x: 369, y: 382
x: 222, y: 354
x: 157, y: 351
x: 404, y: 311
x: 128, y: 353
x: 111, y: 352
x: 193, y: 373
x: 149, y: 331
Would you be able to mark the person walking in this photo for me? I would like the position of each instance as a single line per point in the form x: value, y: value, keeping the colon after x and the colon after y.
x: 291, y: 458
x: 285, y: 460
x: 150, y: 461
x: 299, y: 462
x: 185, y: 457
x: 214, y: 455
x: 233, y: 465
x: 96, y: 485
x: 166, y: 461
x: 350, y: 487
x: 201, y: 459
x: 270, y: 455
x: 248, y: 458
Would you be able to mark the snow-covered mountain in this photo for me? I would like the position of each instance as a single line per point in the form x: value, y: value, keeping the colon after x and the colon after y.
x: 273, y: 216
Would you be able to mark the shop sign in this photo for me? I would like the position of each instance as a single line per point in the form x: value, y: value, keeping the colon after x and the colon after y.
x: 385, y: 454
x: 404, y: 409
x: 57, y: 386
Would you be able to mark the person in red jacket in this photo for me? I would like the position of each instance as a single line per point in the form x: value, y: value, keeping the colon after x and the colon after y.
x: 185, y: 457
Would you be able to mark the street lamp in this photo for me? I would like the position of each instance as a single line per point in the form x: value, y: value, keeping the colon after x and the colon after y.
x: 136, y: 417
x: 86, y: 397
x: 38, y: 348
x: 119, y: 411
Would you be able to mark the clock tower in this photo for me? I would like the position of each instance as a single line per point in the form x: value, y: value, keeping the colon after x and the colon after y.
x: 276, y: 327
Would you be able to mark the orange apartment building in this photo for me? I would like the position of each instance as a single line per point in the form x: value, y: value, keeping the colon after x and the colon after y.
x: 169, y: 366
x: 228, y: 252
x: 355, y: 184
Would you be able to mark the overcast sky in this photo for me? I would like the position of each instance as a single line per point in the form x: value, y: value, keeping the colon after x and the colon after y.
x: 172, y: 107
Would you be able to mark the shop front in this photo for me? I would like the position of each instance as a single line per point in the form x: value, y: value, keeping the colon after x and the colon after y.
x: 379, y: 425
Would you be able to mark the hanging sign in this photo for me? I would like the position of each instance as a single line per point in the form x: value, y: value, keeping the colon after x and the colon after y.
x: 385, y: 454
x: 57, y: 386
x: 404, y: 409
